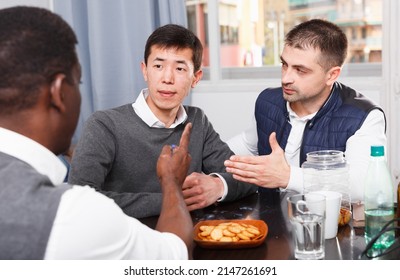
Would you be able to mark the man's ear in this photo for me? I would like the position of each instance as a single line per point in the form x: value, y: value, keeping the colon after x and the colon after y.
x: 197, y: 77
x: 57, y: 99
x: 143, y: 67
x: 333, y: 75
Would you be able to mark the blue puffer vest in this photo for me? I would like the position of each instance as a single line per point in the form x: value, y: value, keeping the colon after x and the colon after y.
x: 341, y: 116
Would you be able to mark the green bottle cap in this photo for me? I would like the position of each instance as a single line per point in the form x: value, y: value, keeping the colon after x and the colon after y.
x: 377, y: 151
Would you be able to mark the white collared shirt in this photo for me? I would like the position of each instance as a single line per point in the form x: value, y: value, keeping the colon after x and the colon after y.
x: 89, y: 225
x: 144, y: 112
x: 292, y: 150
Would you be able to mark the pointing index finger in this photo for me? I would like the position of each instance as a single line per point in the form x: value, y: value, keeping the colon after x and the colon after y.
x: 184, y: 142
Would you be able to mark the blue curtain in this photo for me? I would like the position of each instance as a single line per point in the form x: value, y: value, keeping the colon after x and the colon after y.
x: 112, y: 35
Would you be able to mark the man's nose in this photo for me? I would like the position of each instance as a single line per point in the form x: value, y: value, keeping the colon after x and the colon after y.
x: 287, y: 76
x: 168, y: 76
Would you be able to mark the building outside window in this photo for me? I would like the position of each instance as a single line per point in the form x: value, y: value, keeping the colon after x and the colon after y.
x: 251, y: 32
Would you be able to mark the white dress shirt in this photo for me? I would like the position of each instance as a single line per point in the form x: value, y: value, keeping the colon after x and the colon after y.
x: 89, y: 225
x: 357, y: 154
x: 144, y: 112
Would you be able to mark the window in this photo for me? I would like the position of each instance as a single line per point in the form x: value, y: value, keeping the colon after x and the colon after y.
x: 251, y: 32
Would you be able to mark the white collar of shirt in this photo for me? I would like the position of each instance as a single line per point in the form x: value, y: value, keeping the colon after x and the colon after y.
x: 144, y: 112
x: 293, y: 116
x: 34, y: 154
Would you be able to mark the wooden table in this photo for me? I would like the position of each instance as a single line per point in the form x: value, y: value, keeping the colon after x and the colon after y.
x: 272, y: 208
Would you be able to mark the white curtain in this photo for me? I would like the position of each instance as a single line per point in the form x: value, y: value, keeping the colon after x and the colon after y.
x: 112, y: 35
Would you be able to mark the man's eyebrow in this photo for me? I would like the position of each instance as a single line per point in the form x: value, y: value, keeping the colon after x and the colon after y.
x: 296, y: 65
x: 181, y: 62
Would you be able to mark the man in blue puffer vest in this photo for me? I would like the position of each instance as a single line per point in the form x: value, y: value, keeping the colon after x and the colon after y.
x: 310, y: 111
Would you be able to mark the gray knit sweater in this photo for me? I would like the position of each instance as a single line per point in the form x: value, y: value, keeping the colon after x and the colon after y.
x: 117, y: 155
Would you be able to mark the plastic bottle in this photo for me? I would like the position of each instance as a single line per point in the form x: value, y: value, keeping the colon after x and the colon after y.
x: 378, y: 201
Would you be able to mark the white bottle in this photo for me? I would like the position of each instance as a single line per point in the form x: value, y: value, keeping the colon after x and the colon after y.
x: 378, y: 201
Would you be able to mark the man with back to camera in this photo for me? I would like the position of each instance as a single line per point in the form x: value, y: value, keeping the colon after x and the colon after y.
x: 311, y: 111
x: 41, y: 218
x: 118, y: 148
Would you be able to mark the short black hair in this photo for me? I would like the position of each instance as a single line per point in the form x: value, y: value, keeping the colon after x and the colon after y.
x: 35, y: 45
x: 175, y: 36
x: 322, y: 35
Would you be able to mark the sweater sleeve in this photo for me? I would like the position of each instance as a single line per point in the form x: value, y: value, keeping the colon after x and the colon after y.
x: 93, y: 159
x: 215, y: 153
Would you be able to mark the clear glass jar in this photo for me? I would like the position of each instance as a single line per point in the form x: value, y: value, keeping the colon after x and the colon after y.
x: 327, y: 170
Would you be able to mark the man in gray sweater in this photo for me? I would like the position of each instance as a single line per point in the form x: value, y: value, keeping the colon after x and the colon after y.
x: 118, y: 149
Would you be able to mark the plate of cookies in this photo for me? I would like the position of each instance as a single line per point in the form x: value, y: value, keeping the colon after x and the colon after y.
x: 230, y: 234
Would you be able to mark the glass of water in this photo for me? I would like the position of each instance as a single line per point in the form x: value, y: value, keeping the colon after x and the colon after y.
x: 307, y: 215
